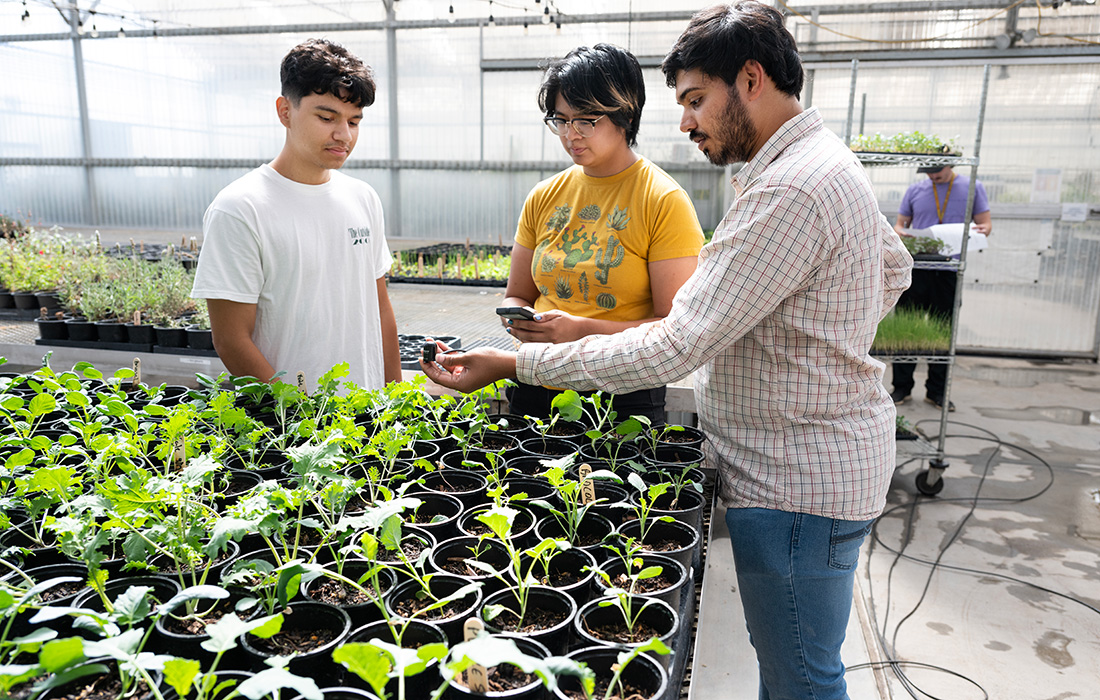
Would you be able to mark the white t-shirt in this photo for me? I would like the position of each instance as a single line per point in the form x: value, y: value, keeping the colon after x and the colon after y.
x: 309, y: 257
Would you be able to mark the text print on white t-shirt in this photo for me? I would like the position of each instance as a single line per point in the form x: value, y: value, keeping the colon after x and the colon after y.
x: 359, y: 235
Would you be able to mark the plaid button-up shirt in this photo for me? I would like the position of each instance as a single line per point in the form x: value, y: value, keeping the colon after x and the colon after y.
x: 778, y: 318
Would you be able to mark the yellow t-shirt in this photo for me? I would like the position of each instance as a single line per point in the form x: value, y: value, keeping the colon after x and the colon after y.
x: 593, y: 238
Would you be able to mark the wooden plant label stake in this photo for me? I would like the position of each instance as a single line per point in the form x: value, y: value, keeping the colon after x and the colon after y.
x: 179, y: 455
x: 420, y: 265
x: 141, y: 246
x: 183, y: 240
x: 441, y: 268
x: 302, y: 382
x: 477, y: 273
x: 137, y: 318
x: 137, y: 373
x: 194, y: 244
x: 476, y: 677
x: 588, y: 487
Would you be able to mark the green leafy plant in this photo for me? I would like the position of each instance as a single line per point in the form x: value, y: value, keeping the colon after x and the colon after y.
x: 906, y: 142
x: 923, y: 245
x: 912, y: 330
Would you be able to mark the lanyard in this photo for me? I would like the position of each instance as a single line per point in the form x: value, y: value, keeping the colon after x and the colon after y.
x: 936, y: 193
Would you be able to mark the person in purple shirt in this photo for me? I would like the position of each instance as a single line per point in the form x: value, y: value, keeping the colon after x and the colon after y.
x: 941, y: 199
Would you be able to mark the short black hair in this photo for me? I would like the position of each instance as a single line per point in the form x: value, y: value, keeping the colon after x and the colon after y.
x: 603, y: 79
x: 322, y: 67
x: 720, y: 39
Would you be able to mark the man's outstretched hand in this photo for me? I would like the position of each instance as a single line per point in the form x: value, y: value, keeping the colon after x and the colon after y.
x: 469, y: 371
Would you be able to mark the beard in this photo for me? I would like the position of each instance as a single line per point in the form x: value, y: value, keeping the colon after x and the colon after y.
x: 734, y: 134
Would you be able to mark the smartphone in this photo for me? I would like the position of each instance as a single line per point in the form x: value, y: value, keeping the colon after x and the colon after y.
x: 517, y: 312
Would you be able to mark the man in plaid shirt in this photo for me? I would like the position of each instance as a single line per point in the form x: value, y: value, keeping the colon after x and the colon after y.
x: 778, y: 320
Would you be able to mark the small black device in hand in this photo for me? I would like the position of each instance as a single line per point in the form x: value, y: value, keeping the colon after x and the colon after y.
x: 517, y: 312
x: 429, y: 351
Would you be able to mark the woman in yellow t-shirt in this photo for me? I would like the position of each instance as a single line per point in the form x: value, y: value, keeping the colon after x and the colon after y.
x: 605, y: 244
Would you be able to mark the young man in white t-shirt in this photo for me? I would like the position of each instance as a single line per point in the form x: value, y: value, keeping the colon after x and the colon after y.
x: 294, y: 254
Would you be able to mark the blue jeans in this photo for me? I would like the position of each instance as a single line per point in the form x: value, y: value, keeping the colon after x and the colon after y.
x: 795, y: 573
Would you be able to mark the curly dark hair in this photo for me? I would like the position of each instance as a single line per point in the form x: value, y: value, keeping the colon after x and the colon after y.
x: 322, y: 67
x: 603, y: 79
x: 720, y: 39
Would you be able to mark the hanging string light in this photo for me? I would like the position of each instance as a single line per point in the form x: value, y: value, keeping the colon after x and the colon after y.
x: 492, y: 22
x: 26, y: 12
x: 546, y: 14
x: 451, y: 14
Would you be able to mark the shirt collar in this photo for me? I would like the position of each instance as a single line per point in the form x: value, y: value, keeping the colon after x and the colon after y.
x: 795, y: 128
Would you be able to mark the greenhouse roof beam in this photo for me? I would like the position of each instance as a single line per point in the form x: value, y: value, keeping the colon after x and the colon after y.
x: 381, y: 164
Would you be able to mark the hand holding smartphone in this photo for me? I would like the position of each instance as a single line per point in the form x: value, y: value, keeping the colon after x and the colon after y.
x: 525, y: 313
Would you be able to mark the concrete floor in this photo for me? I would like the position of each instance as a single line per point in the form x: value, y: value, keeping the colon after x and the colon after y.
x: 990, y: 589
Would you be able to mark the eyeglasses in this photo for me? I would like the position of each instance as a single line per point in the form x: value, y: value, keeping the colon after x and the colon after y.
x: 584, y: 127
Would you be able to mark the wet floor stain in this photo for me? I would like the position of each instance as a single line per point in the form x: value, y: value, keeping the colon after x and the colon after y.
x: 998, y: 646
x: 941, y: 628
x: 1053, y: 650
x: 1063, y: 415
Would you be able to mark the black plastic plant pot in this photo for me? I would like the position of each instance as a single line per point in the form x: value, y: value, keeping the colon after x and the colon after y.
x: 61, y: 595
x: 170, y: 337
x: 102, y: 682
x: 547, y: 447
x: 512, y: 424
x: 414, y: 541
x: 680, y: 435
x: 326, y: 626
x: 50, y: 328
x: 404, y: 602
x: 163, y: 589
x: 199, y: 338
x: 140, y: 334
x: 469, y: 487
x: 674, y: 457
x: 528, y: 465
x: 82, y: 330
x: 36, y: 553
x: 437, y: 514
x: 476, y: 460
x: 549, y: 616
x: 183, y: 637
x: 268, y: 464
x: 612, y: 496
x: 451, y: 557
x: 363, y: 607
x: 593, y: 532
x: 660, y: 473
x: 669, y: 586
x: 25, y: 300
x: 168, y: 567
x: 611, y: 451
x: 687, y: 507
x: 231, y: 485
x: 645, y: 675
x: 523, y: 525
x: 533, y: 486
x: 499, y: 443
x: 597, y: 622
x: 571, y: 571
x: 111, y: 332
x: 572, y: 431
x: 408, y: 634
x: 507, y: 677
x: 671, y: 538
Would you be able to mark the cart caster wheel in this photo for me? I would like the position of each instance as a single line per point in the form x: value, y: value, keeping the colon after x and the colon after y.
x: 926, y: 488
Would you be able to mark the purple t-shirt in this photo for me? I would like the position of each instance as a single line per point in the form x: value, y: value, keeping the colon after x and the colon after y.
x: 920, y: 203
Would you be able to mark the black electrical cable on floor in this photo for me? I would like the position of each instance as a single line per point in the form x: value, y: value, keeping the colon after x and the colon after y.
x: 897, y: 665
